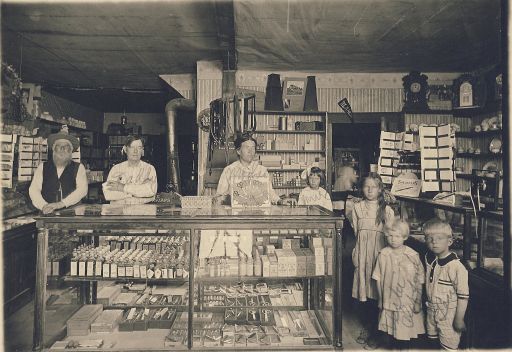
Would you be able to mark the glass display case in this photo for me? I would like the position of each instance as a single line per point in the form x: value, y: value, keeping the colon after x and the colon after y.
x: 154, y: 277
x: 416, y: 211
x: 490, y: 242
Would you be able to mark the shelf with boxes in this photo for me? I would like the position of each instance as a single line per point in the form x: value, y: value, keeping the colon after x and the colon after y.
x: 289, y: 142
x: 248, y: 280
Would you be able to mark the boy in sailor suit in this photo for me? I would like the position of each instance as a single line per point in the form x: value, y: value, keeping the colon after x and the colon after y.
x: 446, y: 285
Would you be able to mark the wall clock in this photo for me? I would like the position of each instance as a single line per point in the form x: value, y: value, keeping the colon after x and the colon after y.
x: 416, y: 92
x: 469, y: 91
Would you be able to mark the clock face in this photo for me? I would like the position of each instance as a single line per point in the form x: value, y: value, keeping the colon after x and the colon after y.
x: 415, y: 87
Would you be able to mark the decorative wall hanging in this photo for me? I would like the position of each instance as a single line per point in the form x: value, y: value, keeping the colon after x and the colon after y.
x: 203, y: 120
x: 294, y: 90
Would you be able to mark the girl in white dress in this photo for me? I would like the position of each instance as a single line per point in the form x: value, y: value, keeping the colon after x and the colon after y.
x: 314, y: 194
x: 400, y: 277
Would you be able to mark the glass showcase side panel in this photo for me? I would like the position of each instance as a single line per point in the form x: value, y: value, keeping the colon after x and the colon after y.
x: 492, y: 245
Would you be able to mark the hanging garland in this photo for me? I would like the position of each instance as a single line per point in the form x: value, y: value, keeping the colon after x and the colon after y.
x: 12, y: 105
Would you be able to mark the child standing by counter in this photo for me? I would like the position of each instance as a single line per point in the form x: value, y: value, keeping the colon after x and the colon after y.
x: 400, y: 277
x: 447, y: 286
x: 369, y: 217
x: 313, y: 194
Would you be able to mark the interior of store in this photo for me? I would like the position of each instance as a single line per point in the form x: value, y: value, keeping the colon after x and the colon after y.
x: 414, y: 92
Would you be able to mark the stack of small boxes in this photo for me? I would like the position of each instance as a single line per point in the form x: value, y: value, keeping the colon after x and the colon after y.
x: 79, y: 324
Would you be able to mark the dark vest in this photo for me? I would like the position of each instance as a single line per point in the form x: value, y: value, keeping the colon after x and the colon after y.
x: 54, y: 188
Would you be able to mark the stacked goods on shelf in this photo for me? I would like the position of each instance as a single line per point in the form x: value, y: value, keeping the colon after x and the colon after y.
x: 32, y: 151
x: 80, y: 323
x: 226, y: 253
x: 89, y: 261
x: 8, y: 142
x: 390, y: 144
x: 107, y: 321
x: 437, y: 172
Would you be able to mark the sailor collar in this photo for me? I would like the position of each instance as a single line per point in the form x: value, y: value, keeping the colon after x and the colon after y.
x: 431, y: 257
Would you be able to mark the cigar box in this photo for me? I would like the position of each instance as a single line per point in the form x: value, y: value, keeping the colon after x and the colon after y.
x: 161, y: 318
x: 107, y: 321
x: 264, y: 300
x: 253, y: 316
x: 176, y: 338
x: 300, y: 260
x: 267, y: 317
x: 310, y: 262
x: 228, y: 338
x: 198, y: 337
x: 230, y: 315
x: 252, y: 300
x: 265, y: 266
x: 241, y: 316
x: 80, y: 323
x: 107, y: 295
x: 252, y: 339
x: 240, y: 340
x: 212, y: 338
x: 273, y: 265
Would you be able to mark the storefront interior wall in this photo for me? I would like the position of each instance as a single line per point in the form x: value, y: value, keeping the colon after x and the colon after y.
x: 366, y: 92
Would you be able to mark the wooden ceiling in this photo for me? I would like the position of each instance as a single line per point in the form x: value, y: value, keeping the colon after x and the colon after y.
x: 128, y: 44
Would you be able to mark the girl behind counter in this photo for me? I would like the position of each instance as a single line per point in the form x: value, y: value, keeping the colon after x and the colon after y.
x: 313, y: 194
x: 133, y: 181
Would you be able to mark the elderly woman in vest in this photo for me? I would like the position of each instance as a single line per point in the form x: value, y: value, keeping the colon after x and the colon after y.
x: 60, y: 182
x: 133, y: 181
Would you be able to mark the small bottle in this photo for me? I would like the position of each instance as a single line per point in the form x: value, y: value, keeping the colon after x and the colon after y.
x: 129, y: 268
x: 74, y: 263
x: 90, y: 263
x: 98, y: 265
x: 242, y: 266
x: 106, y: 267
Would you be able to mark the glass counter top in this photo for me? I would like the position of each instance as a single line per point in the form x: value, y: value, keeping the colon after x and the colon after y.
x: 168, y: 211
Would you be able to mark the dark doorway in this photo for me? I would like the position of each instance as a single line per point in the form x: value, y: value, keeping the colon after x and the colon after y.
x: 363, y: 137
x: 186, y: 130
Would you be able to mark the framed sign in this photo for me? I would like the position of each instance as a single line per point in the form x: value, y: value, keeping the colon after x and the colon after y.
x: 250, y: 191
x: 294, y: 90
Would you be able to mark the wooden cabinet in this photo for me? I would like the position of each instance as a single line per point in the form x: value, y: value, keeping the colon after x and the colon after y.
x: 19, y: 266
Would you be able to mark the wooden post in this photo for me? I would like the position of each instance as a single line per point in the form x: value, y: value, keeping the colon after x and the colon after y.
x: 337, y: 291
x: 40, y: 296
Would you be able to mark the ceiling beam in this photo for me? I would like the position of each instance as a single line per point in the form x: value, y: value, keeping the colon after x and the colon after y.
x: 224, y: 17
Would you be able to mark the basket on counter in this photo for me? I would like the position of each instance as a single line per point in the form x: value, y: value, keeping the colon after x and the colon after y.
x: 196, y: 201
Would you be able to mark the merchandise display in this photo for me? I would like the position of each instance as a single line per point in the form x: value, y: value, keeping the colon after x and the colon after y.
x: 259, y: 282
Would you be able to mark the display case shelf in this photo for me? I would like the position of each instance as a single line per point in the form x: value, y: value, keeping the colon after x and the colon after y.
x: 287, y: 132
x: 472, y: 134
x: 134, y: 279
x: 291, y: 151
x: 269, y: 279
x: 480, y: 155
